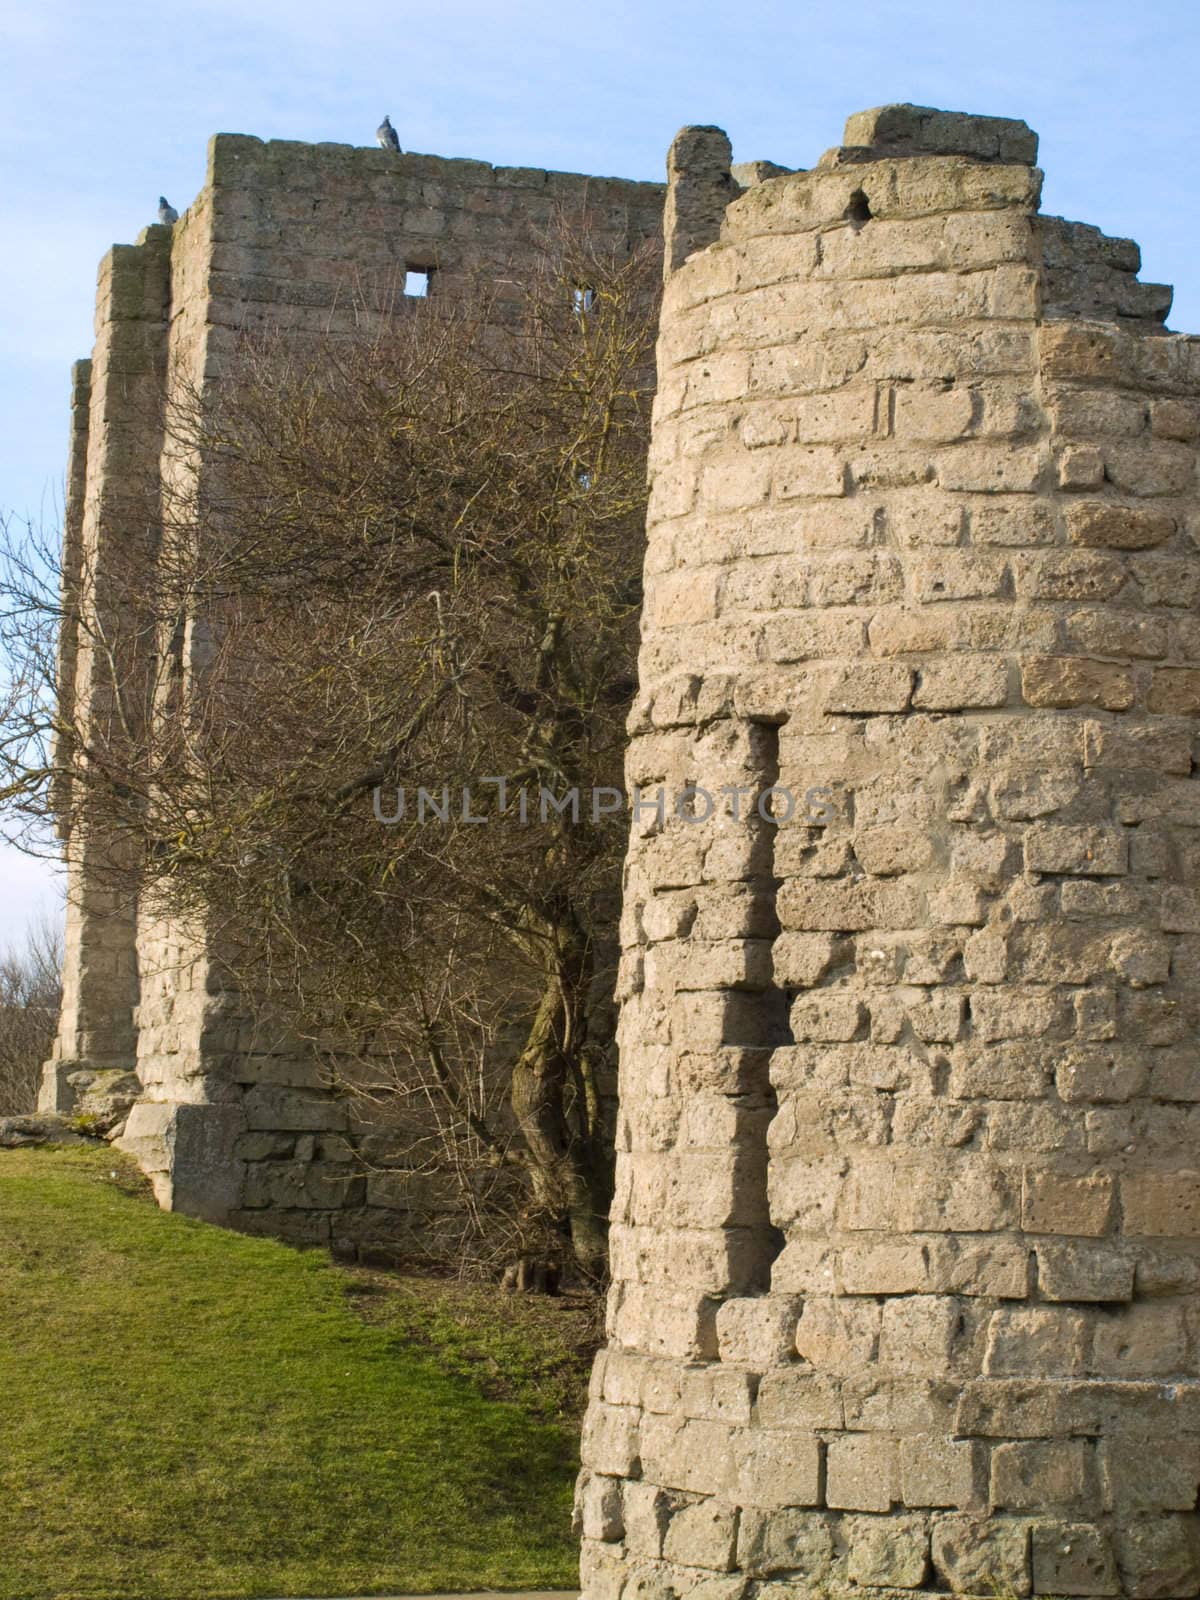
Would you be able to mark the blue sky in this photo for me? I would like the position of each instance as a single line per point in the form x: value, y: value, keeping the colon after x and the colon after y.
x: 104, y: 106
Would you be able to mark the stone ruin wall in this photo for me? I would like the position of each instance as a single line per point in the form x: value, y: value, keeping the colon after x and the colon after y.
x: 906, y: 1243
x: 234, y: 1124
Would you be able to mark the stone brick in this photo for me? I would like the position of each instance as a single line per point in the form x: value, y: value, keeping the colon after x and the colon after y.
x: 598, y: 1508
x: 1175, y: 691
x: 799, y: 1399
x: 870, y: 688
x: 1107, y: 525
x: 610, y: 1440
x: 1037, y: 1341
x: 646, y: 1512
x: 758, y: 1333
x: 796, y: 1542
x: 888, y: 1552
x: 703, y: 1535
x: 802, y: 471
x: 1144, y: 1341
x: 1163, y: 1205
x: 962, y: 683
x: 837, y: 1337
x: 862, y: 1473
x: 935, y: 1471
x: 1159, y: 1558
x: 976, y: 1556
x: 1073, y: 1559
x: 1146, y: 1475
x: 1090, y: 850
x: 1083, y: 1272
x: 777, y: 1468
x: 1066, y: 681
x: 1054, y: 1202
x: 1039, y: 1476
x: 917, y: 1334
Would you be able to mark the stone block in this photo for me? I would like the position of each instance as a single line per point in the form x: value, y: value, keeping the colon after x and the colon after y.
x: 610, y: 1440
x: 1140, y: 1475
x: 645, y: 1514
x: 781, y: 1467
x: 1067, y: 681
x: 977, y: 1557
x: 1175, y: 692
x: 1159, y: 1557
x: 703, y: 1535
x: 717, y: 1394
x: 1098, y: 852
x: 1073, y: 1558
x: 1161, y: 1205
x: 837, y: 1336
x: 758, y: 1333
x: 870, y: 688
x: 1142, y: 1341
x: 1056, y: 1202
x: 913, y: 130
x: 598, y: 1508
x: 801, y: 471
x: 937, y: 1471
x: 917, y: 1334
x: 962, y: 683
x: 1041, y: 1341
x: 1083, y: 1272
x: 888, y: 1552
x: 799, y: 1543
x: 862, y: 1472
x: 799, y: 1399
x: 1040, y: 1475
x: 1105, y: 525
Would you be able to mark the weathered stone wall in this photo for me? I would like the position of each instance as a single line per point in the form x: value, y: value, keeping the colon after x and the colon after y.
x: 109, y: 536
x: 233, y: 1120
x: 906, y: 1243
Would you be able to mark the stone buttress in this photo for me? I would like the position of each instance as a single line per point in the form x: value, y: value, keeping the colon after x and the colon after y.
x: 906, y: 1243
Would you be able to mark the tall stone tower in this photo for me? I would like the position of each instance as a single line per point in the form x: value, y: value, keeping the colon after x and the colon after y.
x: 232, y: 1120
x: 906, y: 1245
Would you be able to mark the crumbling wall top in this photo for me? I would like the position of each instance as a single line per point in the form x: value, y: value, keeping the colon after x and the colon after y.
x: 922, y: 130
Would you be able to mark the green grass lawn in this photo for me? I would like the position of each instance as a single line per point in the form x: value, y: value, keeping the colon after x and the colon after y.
x: 188, y: 1414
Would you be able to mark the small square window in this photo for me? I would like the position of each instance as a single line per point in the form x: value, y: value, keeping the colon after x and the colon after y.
x: 416, y: 282
x: 583, y: 300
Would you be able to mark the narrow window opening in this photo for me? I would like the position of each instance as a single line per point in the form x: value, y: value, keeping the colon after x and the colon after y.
x: 582, y: 300
x: 417, y: 281
x: 859, y: 210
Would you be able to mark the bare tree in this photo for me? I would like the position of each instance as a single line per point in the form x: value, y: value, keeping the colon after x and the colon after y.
x: 29, y: 999
x: 415, y: 566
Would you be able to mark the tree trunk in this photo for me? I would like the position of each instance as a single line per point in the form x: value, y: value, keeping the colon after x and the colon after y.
x: 569, y: 1166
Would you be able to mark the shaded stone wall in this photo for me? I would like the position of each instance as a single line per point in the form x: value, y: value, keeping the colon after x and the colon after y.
x: 232, y: 1119
x: 906, y: 1242
x: 109, y: 536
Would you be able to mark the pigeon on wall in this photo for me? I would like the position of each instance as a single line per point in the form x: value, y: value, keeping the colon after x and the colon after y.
x: 386, y: 135
x: 166, y: 211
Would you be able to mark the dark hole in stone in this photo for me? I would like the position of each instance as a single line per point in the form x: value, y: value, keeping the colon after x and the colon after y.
x: 858, y: 211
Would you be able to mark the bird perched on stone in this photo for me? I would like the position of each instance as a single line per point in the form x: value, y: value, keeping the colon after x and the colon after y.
x: 386, y: 135
x: 166, y: 211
